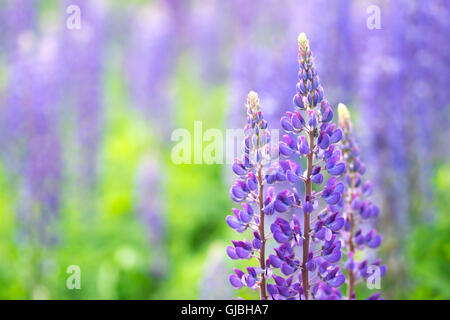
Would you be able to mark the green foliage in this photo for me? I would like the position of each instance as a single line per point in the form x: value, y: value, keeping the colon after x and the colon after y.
x: 430, y: 248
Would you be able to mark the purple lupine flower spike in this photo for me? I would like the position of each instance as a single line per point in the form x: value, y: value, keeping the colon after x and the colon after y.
x: 32, y: 147
x: 83, y: 63
x: 149, y: 193
x: 248, y: 190
x: 358, y: 210
x: 310, y: 136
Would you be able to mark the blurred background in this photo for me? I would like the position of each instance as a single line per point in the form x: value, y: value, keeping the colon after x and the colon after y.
x: 86, y: 116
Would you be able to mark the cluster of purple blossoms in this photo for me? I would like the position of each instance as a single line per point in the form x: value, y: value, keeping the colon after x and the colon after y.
x: 316, y: 219
x: 248, y: 190
x: 359, y: 212
x: 311, y: 136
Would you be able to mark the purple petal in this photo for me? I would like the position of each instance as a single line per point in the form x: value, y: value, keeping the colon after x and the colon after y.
x: 239, y: 169
x: 238, y: 272
x: 274, y: 261
x: 327, y: 114
x: 247, y: 208
x: 272, y: 289
x: 304, y: 146
x: 232, y: 253
x: 280, y: 176
x: 311, y: 265
x: 298, y: 101
x: 334, y: 257
x: 286, y: 124
x: 333, y: 198
x: 337, y: 170
x: 297, y: 120
x: 375, y: 242
x: 268, y: 209
x: 235, y: 281
x: 317, y: 179
x: 279, y: 206
x: 287, y: 269
x: 359, y: 239
x: 349, y: 265
x: 337, y: 281
x: 336, y: 136
x: 321, y: 234
x: 244, y: 217
x: 374, y: 296
x: 324, y: 141
x: 383, y: 270
x: 242, y: 253
x: 339, y: 187
x: 367, y: 188
x: 256, y: 243
x: 375, y: 211
x: 233, y: 222
x: 250, y: 281
x: 280, y: 237
x: 238, y: 192
x: 284, y: 291
x: 293, y: 178
x: 280, y: 281
x: 284, y: 149
x: 271, y: 178
x: 337, y: 224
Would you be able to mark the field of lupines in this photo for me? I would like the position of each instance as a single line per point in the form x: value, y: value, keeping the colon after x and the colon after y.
x: 173, y: 149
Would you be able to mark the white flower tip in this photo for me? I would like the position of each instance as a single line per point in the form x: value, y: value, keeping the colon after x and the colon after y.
x: 252, y: 100
x: 302, y: 38
x: 344, y: 114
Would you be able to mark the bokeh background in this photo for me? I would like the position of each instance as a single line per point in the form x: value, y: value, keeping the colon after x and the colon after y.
x: 86, y: 117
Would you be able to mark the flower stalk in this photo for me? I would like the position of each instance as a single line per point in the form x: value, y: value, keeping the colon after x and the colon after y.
x: 311, y: 136
x: 306, y: 217
x: 262, y: 256
x: 357, y: 207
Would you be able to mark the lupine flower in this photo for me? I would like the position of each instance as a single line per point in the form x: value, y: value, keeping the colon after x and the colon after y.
x: 32, y: 149
x: 309, y: 135
x: 83, y: 63
x: 149, y: 192
x: 248, y: 190
x: 358, y: 211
